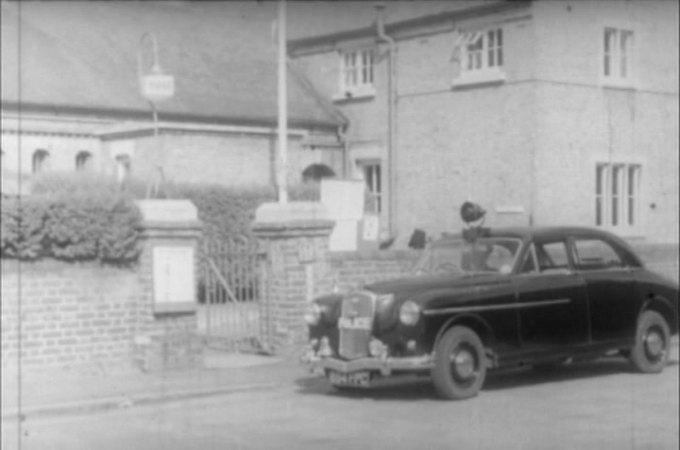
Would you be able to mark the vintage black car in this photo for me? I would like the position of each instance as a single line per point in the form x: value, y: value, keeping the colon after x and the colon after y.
x: 506, y: 297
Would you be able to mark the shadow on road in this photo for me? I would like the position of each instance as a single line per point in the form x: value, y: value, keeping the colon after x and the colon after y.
x: 419, y: 388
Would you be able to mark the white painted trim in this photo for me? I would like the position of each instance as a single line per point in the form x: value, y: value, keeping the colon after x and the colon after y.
x: 355, y: 93
x: 177, y: 126
x: 631, y: 82
x: 512, y: 209
x: 485, y: 76
x: 99, y: 127
x: 456, y: 309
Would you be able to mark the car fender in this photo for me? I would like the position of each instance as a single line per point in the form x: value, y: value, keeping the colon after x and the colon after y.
x: 663, y: 306
x: 473, y: 321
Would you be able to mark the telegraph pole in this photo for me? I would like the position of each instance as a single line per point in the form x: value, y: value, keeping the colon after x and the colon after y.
x: 282, y: 169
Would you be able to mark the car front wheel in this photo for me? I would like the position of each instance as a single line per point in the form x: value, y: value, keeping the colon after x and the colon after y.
x: 460, y: 365
x: 652, y: 342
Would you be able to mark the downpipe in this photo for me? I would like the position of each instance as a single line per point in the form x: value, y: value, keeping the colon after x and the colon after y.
x: 391, y: 112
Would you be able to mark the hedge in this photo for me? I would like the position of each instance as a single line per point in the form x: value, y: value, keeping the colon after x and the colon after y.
x: 76, y: 217
x: 228, y: 212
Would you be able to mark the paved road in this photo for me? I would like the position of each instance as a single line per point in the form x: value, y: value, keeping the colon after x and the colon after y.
x: 597, y: 405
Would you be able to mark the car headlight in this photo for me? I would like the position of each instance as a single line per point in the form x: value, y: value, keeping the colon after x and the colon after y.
x: 409, y: 313
x: 313, y: 314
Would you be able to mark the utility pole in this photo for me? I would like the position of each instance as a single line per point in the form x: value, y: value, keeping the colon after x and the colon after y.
x: 282, y: 169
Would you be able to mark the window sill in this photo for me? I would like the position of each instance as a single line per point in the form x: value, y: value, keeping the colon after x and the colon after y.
x: 479, y: 78
x: 614, y: 83
x: 623, y: 232
x: 359, y: 93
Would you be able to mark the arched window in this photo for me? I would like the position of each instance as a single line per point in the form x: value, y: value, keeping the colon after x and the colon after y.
x: 316, y: 172
x: 123, y: 167
x: 83, y: 161
x: 40, y: 160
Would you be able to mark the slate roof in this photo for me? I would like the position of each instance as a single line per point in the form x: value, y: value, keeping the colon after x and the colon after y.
x: 82, y: 56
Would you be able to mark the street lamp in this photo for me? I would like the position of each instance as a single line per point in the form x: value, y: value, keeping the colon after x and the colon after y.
x: 155, y: 87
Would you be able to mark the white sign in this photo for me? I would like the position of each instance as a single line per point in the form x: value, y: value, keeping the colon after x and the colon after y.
x: 344, y: 236
x: 157, y: 87
x: 344, y: 200
x: 173, y: 275
x: 371, y: 227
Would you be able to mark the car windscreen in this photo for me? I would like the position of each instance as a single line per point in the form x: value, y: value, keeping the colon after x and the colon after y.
x: 484, y: 255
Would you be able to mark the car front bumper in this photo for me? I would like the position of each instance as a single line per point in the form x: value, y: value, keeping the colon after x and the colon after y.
x: 387, y: 365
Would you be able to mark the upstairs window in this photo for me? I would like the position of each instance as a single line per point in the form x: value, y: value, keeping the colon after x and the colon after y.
x: 617, y: 195
x: 617, y: 61
x: 357, y: 73
x: 40, y: 161
x: 484, y: 50
x: 480, y: 56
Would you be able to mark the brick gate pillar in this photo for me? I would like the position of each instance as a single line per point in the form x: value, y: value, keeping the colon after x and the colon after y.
x: 295, y: 268
x: 165, y: 334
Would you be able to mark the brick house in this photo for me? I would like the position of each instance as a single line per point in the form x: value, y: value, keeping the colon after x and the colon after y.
x: 71, y: 97
x: 545, y: 112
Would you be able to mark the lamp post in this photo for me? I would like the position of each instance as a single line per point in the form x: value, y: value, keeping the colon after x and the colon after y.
x: 155, y: 87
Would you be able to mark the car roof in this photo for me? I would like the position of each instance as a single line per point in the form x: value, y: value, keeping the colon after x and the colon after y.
x: 548, y: 232
x: 542, y: 233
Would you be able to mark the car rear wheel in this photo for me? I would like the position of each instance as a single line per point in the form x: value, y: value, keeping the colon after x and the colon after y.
x: 460, y: 365
x: 652, y: 342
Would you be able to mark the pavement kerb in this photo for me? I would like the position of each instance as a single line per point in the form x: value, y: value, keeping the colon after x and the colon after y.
x: 128, y: 401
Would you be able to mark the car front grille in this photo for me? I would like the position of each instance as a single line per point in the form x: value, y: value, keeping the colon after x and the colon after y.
x: 356, y: 322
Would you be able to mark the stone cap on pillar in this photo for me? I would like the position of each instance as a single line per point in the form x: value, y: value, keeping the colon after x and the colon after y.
x: 176, y: 215
x: 304, y: 218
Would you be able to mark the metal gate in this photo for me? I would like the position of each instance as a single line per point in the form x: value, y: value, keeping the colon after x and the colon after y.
x: 230, y: 292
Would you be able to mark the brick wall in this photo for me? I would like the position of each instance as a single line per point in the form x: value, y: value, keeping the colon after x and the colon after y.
x: 162, y: 340
x: 530, y: 142
x: 87, y: 315
x: 352, y: 270
x: 226, y: 157
x: 296, y: 270
x: 661, y: 258
x: 580, y: 121
x: 232, y: 159
x: 71, y: 314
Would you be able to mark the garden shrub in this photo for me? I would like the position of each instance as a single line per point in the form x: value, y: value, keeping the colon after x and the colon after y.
x: 228, y: 212
x: 71, y: 218
x: 23, y: 231
x: 93, y: 226
x: 83, y: 216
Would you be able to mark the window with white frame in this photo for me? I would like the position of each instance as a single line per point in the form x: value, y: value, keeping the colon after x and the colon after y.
x: 480, y: 56
x: 373, y: 176
x: 357, y: 71
x: 617, y: 195
x: 617, y: 56
x: 483, y: 50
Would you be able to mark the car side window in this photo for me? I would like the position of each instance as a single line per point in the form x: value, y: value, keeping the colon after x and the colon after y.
x: 552, y: 256
x: 596, y: 254
x: 529, y: 262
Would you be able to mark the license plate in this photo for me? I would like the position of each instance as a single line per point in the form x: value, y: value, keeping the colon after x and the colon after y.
x: 354, y: 379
